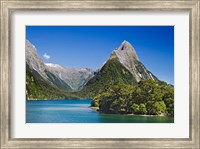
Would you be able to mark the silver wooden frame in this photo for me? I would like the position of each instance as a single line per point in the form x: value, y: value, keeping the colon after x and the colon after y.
x: 9, y: 6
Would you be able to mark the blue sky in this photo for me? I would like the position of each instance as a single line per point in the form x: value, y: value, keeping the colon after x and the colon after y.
x: 91, y: 46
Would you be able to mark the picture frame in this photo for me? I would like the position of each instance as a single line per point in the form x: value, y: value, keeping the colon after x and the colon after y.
x: 8, y: 7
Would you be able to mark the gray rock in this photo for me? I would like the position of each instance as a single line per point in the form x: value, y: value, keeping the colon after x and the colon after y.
x: 127, y: 56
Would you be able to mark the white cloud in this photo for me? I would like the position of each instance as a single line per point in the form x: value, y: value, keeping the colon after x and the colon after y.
x: 46, y: 56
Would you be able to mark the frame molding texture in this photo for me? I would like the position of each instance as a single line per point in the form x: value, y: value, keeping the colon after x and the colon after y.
x: 9, y: 6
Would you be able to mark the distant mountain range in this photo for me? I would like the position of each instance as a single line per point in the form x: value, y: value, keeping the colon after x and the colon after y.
x: 122, y: 67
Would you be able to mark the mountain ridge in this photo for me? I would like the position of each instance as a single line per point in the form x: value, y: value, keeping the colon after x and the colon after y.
x: 71, y: 79
x: 122, y: 67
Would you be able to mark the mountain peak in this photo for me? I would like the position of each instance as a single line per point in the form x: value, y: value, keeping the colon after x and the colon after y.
x: 127, y: 56
x: 126, y: 50
x: 126, y: 43
x: 125, y: 53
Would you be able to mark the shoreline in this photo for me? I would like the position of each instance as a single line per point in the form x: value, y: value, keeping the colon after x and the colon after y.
x: 142, y: 115
x: 145, y: 115
x: 97, y: 108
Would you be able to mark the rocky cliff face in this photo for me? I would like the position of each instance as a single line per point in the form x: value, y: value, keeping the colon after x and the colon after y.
x: 34, y: 61
x: 127, y: 56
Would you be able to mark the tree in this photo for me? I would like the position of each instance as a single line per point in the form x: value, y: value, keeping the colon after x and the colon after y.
x: 156, y: 108
x: 135, y: 108
x: 142, y: 109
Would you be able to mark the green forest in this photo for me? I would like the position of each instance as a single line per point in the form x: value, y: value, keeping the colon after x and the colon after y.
x: 111, y: 73
x: 148, y: 97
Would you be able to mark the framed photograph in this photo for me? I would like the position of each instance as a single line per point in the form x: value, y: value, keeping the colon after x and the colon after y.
x: 100, y: 74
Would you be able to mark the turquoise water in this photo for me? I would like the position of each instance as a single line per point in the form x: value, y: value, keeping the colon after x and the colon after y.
x: 78, y: 111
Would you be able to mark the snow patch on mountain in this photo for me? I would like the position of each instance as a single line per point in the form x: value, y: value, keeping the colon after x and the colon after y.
x: 52, y: 65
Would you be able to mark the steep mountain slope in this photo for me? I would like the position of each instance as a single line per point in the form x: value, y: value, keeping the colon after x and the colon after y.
x: 34, y: 61
x: 123, y: 67
x: 113, y: 72
x: 57, y: 76
x: 127, y: 56
x: 39, y: 70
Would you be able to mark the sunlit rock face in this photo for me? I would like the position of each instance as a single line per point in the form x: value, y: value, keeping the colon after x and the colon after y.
x: 127, y: 56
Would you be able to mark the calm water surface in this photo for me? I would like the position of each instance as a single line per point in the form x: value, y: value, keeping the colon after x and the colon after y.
x: 78, y: 111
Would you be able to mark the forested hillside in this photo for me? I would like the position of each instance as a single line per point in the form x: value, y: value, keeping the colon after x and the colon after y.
x: 147, y: 97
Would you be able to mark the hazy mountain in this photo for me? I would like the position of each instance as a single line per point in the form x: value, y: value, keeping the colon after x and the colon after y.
x: 75, y: 78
